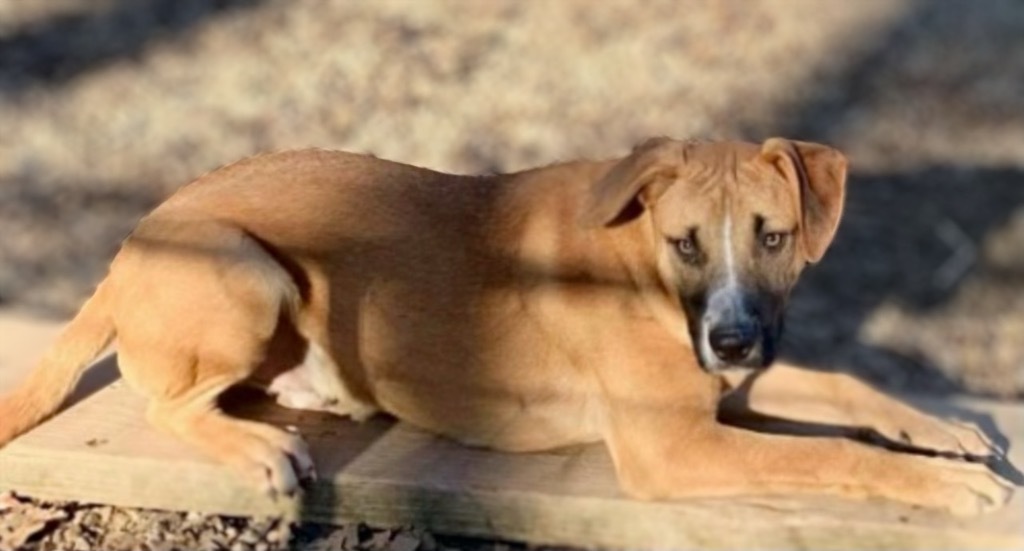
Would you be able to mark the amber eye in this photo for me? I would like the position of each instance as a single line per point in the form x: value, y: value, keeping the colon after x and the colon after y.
x: 773, y: 240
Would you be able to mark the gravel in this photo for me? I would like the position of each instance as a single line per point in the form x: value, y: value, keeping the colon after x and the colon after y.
x: 33, y: 525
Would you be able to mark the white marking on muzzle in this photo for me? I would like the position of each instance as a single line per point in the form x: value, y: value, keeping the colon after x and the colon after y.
x: 710, y: 359
x: 730, y: 264
x: 727, y: 291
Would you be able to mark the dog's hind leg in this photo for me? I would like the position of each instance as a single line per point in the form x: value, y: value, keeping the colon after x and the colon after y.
x: 198, y: 304
x: 270, y: 458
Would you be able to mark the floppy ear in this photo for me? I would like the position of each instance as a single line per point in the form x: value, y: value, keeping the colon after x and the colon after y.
x: 633, y: 184
x: 819, y: 173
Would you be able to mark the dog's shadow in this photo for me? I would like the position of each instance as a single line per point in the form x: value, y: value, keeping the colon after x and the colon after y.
x: 743, y: 416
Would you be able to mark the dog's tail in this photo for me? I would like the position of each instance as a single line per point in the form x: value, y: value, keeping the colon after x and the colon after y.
x: 56, y: 375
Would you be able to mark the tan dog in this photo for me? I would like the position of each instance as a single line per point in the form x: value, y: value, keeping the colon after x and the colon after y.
x: 586, y: 301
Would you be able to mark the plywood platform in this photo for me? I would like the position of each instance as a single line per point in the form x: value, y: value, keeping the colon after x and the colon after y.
x: 101, y: 450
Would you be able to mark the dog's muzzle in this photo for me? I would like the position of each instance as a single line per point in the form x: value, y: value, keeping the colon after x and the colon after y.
x: 733, y: 332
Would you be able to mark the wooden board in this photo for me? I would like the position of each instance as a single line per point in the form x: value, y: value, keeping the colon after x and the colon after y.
x: 101, y: 450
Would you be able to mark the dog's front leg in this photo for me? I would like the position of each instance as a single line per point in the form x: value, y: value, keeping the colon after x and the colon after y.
x: 796, y: 394
x: 666, y: 443
x: 717, y: 460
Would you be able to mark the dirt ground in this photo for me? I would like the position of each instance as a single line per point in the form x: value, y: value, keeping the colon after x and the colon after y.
x: 106, y: 106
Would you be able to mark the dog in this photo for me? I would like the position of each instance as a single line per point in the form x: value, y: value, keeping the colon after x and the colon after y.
x: 609, y: 301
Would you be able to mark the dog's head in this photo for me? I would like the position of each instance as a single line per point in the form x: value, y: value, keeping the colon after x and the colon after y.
x: 734, y: 224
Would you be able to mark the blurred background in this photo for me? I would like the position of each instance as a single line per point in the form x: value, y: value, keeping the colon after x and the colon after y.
x: 107, y: 106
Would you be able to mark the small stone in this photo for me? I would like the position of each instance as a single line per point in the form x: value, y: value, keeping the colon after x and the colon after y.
x: 209, y: 541
x: 428, y: 542
x: 250, y: 537
x: 278, y: 533
x: 215, y: 524
x: 333, y: 541
x: 79, y: 543
x: 404, y: 542
x: 154, y: 535
x: 379, y: 540
x: 8, y: 501
x: 347, y: 537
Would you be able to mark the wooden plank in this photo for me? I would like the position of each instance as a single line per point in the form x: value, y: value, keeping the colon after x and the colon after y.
x: 101, y: 450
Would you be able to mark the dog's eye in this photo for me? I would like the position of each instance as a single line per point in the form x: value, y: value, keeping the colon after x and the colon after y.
x: 686, y: 246
x: 773, y: 240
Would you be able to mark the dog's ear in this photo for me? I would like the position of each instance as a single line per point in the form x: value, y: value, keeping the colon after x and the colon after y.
x: 632, y: 184
x: 819, y: 174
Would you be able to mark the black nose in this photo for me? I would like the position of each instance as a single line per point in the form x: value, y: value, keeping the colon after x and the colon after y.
x: 732, y: 343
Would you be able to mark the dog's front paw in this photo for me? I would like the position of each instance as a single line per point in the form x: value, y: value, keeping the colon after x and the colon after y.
x: 951, y: 438
x: 967, y: 489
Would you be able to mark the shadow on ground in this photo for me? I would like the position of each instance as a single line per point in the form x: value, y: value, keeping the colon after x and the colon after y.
x: 913, y: 237
x: 55, y: 50
x: 909, y: 238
